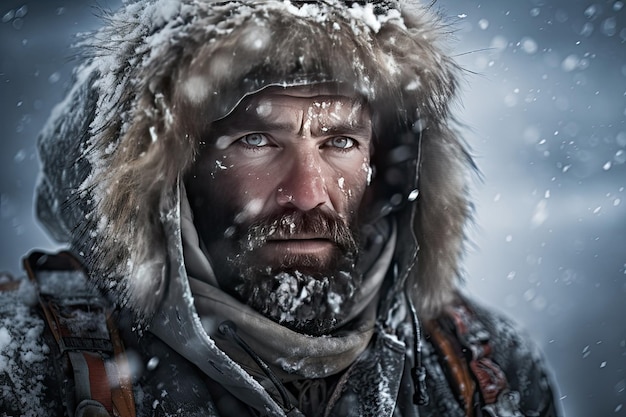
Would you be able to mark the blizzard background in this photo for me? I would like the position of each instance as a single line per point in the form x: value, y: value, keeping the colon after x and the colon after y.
x: 544, y: 102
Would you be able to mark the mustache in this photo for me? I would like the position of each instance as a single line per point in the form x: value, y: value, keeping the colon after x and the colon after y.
x: 318, y: 223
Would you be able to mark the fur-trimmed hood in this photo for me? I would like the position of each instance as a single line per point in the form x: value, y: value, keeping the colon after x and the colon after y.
x: 159, y: 72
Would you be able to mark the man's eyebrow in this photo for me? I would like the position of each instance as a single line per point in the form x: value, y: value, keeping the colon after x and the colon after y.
x: 345, y: 126
x: 253, y: 123
x: 247, y: 122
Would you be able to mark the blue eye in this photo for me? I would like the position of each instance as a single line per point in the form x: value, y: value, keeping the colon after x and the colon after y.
x: 255, y: 140
x: 342, y: 142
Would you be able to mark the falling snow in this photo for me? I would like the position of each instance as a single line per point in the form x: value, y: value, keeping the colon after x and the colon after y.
x: 542, y: 68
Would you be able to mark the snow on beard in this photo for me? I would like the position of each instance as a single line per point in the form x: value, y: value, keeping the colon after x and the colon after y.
x: 303, y: 292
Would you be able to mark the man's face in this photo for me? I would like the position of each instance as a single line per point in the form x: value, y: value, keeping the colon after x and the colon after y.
x: 275, y: 196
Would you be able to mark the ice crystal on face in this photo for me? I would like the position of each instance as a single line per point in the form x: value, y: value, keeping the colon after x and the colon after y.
x: 220, y: 165
x: 367, y: 168
x: 264, y: 109
x: 289, y: 296
x: 334, y: 302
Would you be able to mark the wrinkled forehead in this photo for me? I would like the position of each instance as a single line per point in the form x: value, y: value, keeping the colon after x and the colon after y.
x: 322, y: 107
x: 313, y: 94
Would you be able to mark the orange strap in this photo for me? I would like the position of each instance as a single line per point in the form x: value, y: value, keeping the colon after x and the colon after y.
x: 456, y: 365
x: 489, y: 376
x: 91, y: 378
x: 87, y: 337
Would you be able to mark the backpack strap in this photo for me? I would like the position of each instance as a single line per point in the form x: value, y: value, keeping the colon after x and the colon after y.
x: 456, y: 365
x: 91, y: 351
x: 472, y: 336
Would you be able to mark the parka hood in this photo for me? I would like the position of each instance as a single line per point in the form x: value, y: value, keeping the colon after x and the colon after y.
x: 158, y: 73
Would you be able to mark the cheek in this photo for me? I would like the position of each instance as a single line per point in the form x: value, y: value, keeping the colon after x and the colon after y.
x: 351, y: 181
x: 247, y: 188
x: 212, y: 185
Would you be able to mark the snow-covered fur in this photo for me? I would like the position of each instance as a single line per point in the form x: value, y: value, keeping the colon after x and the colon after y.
x: 159, y: 72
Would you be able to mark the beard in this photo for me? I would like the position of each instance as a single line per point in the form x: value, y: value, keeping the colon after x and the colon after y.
x: 304, y: 292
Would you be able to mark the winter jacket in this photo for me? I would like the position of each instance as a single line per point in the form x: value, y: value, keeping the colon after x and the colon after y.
x: 114, y: 155
x: 175, y: 376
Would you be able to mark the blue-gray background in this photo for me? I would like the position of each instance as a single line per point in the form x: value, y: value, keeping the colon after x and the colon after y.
x: 544, y: 103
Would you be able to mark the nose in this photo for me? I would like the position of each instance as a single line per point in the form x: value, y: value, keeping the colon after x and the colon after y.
x: 304, y: 184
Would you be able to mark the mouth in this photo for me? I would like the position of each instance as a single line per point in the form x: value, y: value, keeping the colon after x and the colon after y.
x: 300, y: 245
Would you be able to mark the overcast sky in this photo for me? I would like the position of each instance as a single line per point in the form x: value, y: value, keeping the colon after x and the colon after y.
x: 544, y: 108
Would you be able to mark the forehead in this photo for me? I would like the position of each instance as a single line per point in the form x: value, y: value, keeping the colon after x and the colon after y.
x: 318, y: 103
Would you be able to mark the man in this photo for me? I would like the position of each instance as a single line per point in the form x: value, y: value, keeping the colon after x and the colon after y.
x: 272, y: 198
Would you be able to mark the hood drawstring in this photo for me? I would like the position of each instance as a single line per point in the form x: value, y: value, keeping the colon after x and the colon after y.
x: 229, y: 329
x: 418, y: 372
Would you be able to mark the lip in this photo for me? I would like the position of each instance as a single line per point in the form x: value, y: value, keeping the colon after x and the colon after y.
x: 314, y: 252
x: 300, y: 245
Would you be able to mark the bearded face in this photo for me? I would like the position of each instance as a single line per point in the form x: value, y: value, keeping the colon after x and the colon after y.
x: 275, y: 198
x: 306, y: 291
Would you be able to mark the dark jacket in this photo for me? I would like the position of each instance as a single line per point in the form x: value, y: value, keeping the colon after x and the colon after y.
x: 174, y: 376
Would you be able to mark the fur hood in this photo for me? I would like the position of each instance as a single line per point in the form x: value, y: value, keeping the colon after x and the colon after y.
x: 159, y: 72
